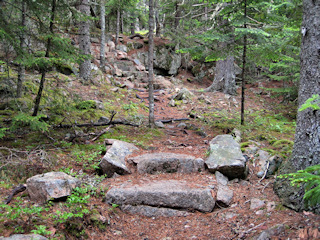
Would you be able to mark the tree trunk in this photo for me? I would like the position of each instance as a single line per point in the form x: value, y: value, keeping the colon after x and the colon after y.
x: 150, y: 64
x: 158, y: 24
x: 121, y: 25
x: 133, y: 25
x: 224, y: 79
x: 244, y: 56
x: 177, y: 17
x: 43, y: 71
x: 306, y: 149
x: 84, y: 40
x: 103, y: 36
x: 118, y: 28
x: 21, y: 68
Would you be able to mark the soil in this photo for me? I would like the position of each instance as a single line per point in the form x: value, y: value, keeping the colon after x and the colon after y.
x: 235, y: 222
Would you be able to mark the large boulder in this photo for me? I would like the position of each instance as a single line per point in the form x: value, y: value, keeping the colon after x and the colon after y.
x: 168, y: 163
x: 114, y: 159
x: 226, y: 157
x: 51, y: 185
x: 166, y: 59
x: 24, y: 237
x: 164, y: 194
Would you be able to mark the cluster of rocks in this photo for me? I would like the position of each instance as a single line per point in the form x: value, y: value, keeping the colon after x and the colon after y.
x: 163, y: 197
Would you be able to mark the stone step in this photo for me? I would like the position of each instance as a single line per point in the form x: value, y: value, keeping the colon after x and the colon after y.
x: 167, y: 163
x: 161, y: 198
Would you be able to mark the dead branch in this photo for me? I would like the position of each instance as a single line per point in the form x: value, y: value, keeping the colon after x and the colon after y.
x: 173, y: 120
x: 243, y: 234
x: 101, y: 133
x: 15, y: 191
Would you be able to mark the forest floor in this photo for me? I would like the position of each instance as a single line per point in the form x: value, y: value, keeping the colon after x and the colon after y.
x: 220, y: 117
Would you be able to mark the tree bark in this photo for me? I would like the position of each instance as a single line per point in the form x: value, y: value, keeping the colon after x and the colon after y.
x: 21, y: 68
x: 150, y: 64
x: 43, y: 71
x: 244, y: 56
x: 224, y: 79
x: 84, y: 40
x: 306, y: 149
x: 118, y: 28
x: 103, y: 36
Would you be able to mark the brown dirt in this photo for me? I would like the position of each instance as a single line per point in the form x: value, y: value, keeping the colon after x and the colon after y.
x: 220, y: 224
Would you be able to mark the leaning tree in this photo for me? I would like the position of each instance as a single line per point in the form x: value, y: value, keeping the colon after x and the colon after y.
x: 306, y: 149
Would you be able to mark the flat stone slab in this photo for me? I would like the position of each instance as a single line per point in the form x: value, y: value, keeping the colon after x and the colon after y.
x: 226, y: 157
x: 51, y: 185
x: 167, y: 163
x: 114, y: 159
x: 154, y: 211
x: 178, y: 195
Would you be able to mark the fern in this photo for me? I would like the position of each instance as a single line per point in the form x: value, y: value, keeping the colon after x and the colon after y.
x: 311, y: 178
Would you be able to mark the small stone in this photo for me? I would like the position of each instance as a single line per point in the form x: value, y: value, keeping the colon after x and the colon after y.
x: 259, y: 212
x: 256, y: 203
x: 172, y: 103
x: 271, y: 206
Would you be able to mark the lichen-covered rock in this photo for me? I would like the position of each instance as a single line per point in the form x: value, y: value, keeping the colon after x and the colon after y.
x: 167, y: 163
x: 51, y: 185
x: 226, y: 157
x: 114, y: 159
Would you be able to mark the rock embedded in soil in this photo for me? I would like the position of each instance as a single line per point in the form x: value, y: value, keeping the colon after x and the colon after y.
x: 178, y: 195
x: 114, y: 159
x: 224, y: 195
x: 51, y: 185
x: 271, y: 232
x: 256, y: 203
x: 226, y: 157
x: 167, y: 163
x: 24, y: 237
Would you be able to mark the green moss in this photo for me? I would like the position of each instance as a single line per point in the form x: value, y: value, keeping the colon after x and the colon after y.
x: 87, y: 104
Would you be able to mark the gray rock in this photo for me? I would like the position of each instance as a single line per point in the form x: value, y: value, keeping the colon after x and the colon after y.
x: 166, y: 59
x: 159, y: 124
x: 267, y: 161
x: 103, y: 119
x: 183, y: 94
x: 168, y: 163
x: 51, y: 185
x: 153, y: 211
x: 24, y: 237
x: 166, y: 193
x: 172, y: 103
x: 114, y: 159
x: 226, y: 157
x: 224, y: 195
x: 221, y: 179
x: 256, y: 203
x: 182, y: 125
x: 138, y: 45
x: 271, y: 232
x: 122, y: 48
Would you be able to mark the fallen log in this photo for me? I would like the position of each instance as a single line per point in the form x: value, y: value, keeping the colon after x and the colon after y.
x: 98, y: 124
x: 136, y: 35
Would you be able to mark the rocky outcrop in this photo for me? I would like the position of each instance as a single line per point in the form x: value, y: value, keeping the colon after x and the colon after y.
x: 51, y: 185
x: 226, y: 157
x: 114, y: 159
x: 163, y: 194
x: 167, y: 163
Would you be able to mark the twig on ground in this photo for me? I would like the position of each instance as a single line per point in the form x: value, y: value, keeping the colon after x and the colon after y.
x: 244, y: 233
x: 265, y: 172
